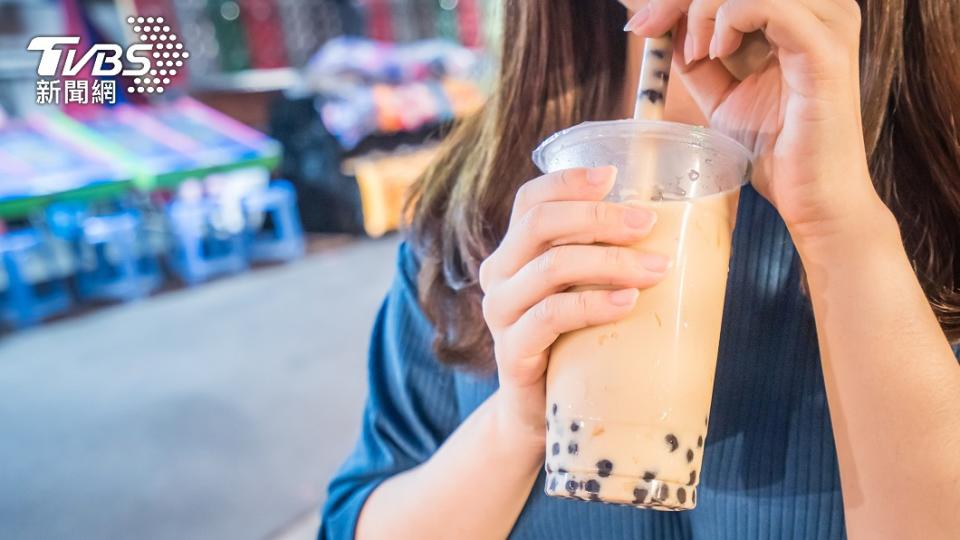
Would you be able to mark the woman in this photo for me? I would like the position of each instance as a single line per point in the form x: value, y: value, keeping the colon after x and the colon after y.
x: 837, y: 402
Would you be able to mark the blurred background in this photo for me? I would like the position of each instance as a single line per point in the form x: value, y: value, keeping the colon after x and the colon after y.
x: 191, y: 257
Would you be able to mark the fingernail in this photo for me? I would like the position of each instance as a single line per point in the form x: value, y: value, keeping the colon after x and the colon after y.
x: 600, y: 175
x: 638, y: 19
x: 624, y: 297
x: 655, y: 262
x: 689, y: 49
x: 713, y: 46
x: 639, y: 218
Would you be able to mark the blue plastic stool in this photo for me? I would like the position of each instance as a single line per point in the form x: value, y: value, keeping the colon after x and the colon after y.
x: 200, y: 253
x: 23, y: 303
x: 65, y: 220
x: 285, y: 242
x: 120, y: 271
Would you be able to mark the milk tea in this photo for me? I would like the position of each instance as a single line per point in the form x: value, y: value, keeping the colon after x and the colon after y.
x: 628, y: 403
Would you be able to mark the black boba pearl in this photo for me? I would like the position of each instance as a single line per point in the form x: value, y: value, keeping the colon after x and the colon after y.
x: 592, y: 486
x: 700, y: 441
x: 604, y: 468
x: 662, y: 493
x: 689, y: 455
x: 594, y: 497
x: 648, y: 476
x: 555, y: 449
x: 672, y: 442
x: 561, y: 470
x: 572, y: 486
x: 681, y: 495
x: 553, y: 483
x: 548, y: 424
x: 653, y: 96
x: 573, y: 448
x: 574, y: 426
x: 658, y: 53
x: 639, y: 495
x: 549, y: 469
x: 554, y: 408
x: 693, y: 478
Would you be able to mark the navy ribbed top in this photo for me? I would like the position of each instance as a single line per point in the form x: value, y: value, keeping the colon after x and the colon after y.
x: 770, y: 466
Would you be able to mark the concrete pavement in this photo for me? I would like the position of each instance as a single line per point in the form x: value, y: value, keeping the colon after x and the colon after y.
x: 211, y: 413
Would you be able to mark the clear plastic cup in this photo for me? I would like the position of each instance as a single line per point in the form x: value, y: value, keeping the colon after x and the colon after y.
x: 628, y: 403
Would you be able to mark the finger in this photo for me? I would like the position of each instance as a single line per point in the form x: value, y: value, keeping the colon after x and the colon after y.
x: 708, y: 81
x: 657, y: 17
x: 837, y: 14
x: 700, y: 22
x: 580, y: 184
x: 571, y: 222
x: 540, y: 326
x: 561, y: 267
x: 790, y: 26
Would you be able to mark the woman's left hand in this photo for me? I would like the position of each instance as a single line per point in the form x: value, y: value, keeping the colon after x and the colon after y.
x: 799, y: 112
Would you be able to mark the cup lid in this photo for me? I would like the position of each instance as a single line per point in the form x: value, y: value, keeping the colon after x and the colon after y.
x: 699, y: 136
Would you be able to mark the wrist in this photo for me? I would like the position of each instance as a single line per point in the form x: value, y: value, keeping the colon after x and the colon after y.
x: 855, y: 215
x: 868, y: 225
x: 520, y: 424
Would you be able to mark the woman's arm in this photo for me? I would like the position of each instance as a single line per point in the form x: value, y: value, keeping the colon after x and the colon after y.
x: 476, y: 483
x: 474, y: 486
x: 893, y: 383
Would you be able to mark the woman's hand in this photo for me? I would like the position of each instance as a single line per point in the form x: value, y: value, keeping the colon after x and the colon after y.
x: 557, y: 224
x: 799, y: 113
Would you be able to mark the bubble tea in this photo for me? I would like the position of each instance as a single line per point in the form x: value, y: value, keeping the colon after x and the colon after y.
x: 628, y: 402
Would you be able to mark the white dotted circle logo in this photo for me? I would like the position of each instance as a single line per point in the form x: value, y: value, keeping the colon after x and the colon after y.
x: 167, y: 53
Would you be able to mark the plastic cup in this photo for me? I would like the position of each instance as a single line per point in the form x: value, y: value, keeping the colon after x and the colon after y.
x: 628, y: 403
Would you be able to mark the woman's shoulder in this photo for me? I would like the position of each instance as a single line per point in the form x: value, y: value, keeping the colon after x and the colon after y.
x: 408, y: 262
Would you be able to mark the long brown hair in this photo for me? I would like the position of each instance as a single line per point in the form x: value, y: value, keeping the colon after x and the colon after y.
x: 550, y: 80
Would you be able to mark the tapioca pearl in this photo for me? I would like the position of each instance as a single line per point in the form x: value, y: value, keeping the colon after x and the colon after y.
x: 672, y: 442
x: 572, y: 486
x: 549, y: 468
x: 662, y: 493
x: 548, y: 424
x: 681, y: 495
x: 595, y: 497
x: 653, y: 96
x: 592, y: 486
x: 574, y: 426
x: 639, y: 495
x: 689, y: 455
x: 561, y: 470
x: 554, y: 409
x: 573, y: 448
x: 700, y: 441
x: 604, y: 468
x: 553, y: 483
x: 649, y: 475
x: 555, y: 449
x: 693, y: 478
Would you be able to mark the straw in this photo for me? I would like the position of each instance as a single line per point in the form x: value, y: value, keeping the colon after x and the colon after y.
x: 651, y: 99
x: 654, y: 74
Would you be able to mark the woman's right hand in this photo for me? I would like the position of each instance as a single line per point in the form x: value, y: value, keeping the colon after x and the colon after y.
x: 561, y: 234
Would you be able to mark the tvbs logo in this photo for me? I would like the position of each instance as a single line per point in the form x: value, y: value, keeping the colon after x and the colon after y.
x: 151, y: 62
